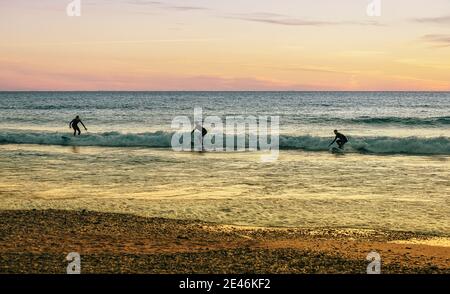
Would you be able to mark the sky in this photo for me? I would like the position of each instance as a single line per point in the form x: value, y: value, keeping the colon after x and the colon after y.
x: 225, y: 45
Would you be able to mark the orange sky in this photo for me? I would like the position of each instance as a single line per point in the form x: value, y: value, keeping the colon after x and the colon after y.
x: 224, y: 45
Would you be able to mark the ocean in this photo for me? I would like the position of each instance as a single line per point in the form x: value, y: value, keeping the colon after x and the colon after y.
x: 394, y: 174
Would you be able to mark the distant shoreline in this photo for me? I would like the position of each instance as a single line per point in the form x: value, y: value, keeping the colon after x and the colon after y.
x: 37, y: 241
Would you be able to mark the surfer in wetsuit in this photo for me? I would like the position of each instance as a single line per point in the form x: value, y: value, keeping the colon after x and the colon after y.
x: 340, y: 139
x: 74, y: 125
x: 199, y: 126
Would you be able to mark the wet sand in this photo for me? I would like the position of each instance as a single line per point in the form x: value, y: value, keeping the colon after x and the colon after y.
x: 37, y: 241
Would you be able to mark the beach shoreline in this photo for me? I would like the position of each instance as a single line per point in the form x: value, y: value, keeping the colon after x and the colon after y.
x: 38, y: 241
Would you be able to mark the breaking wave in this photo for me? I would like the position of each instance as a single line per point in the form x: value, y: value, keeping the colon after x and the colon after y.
x: 400, y: 121
x: 160, y: 139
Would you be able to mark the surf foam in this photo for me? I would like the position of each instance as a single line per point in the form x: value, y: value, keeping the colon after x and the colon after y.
x: 161, y: 139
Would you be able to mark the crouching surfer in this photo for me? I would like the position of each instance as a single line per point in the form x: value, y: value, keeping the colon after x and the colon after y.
x: 340, y: 139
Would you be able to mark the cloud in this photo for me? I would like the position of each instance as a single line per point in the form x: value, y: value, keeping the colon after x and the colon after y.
x: 422, y: 63
x: 437, y: 84
x: 279, y: 19
x: 318, y: 69
x: 143, y: 2
x: 436, y: 20
x: 362, y: 53
x: 437, y: 39
x: 162, y: 5
x: 186, y: 8
x: 24, y: 76
x: 109, y: 42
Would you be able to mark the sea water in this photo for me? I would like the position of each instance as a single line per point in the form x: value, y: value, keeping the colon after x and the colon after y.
x: 394, y: 174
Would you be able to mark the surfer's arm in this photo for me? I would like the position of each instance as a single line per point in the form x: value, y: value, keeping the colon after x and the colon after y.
x: 70, y: 124
x: 333, y: 141
x: 83, y: 125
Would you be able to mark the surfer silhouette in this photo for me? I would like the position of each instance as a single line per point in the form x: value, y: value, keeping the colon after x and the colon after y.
x: 199, y: 126
x: 74, y: 125
x: 340, y: 139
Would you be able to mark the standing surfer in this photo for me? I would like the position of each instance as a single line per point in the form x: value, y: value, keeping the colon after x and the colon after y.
x: 74, y: 125
x: 340, y: 139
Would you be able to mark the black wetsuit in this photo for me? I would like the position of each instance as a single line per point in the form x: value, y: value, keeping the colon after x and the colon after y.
x: 204, y: 131
x: 74, y: 125
x: 340, y: 140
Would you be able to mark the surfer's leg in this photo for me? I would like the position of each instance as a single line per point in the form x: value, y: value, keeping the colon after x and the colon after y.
x: 75, y: 130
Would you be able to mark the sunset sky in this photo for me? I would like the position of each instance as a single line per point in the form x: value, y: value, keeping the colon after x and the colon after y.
x: 225, y: 45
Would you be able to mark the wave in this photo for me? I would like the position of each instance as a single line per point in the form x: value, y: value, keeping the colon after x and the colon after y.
x: 158, y: 139
x: 405, y: 121
x: 444, y: 120
x: 373, y: 145
x: 161, y: 139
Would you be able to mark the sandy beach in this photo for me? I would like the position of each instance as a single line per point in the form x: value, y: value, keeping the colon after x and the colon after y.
x: 37, y: 241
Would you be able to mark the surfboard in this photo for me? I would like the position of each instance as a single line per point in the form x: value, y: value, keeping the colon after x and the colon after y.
x: 65, y: 140
x: 336, y: 150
